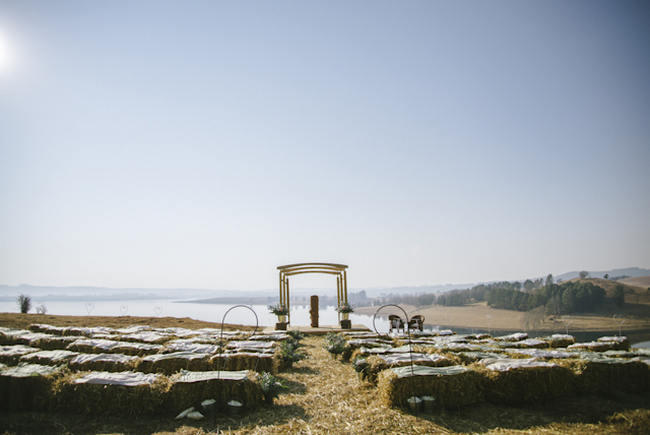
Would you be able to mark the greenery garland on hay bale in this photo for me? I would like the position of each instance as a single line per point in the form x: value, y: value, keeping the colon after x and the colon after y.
x: 452, y: 387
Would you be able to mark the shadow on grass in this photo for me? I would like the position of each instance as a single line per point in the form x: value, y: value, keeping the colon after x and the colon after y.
x: 293, y: 387
x: 62, y: 423
x: 305, y: 370
x: 585, y: 409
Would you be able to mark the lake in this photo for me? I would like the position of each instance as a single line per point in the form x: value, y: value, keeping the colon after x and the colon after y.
x: 215, y: 312
x: 207, y: 312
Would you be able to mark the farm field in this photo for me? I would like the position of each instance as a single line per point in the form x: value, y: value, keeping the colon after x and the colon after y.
x: 482, y: 317
x: 324, y: 395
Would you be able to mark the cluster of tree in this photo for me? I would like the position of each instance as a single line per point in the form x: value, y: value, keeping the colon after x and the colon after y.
x: 567, y: 297
x: 542, y: 294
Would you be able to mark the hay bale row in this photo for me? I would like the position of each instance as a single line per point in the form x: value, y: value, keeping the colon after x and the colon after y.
x: 512, y: 381
x: 32, y: 387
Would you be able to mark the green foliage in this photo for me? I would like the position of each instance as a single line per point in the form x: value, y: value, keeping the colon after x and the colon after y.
x: 583, y: 274
x: 289, y: 353
x: 271, y: 386
x: 278, y: 310
x: 24, y: 303
x: 619, y: 295
x: 334, y: 343
x: 296, y: 335
x: 345, y: 308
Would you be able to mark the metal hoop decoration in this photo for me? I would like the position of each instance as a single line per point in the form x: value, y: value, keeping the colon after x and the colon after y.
x: 223, y: 321
x: 408, y: 329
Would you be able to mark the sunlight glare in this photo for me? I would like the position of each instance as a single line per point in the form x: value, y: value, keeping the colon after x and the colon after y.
x: 4, y: 53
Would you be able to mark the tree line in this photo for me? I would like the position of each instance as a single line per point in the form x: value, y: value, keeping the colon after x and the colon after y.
x: 556, y: 298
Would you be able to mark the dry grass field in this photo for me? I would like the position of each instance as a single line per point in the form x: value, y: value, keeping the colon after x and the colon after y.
x: 632, y: 319
x: 324, y: 396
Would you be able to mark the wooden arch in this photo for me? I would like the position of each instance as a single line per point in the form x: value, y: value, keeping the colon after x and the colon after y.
x: 299, y: 268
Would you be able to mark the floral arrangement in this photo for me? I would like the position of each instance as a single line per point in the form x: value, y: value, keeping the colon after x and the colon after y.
x: 345, y: 308
x: 278, y: 310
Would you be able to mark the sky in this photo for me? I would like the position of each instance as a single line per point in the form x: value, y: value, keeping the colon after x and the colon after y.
x: 201, y: 144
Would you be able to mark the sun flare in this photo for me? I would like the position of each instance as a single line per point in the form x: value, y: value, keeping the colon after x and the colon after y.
x: 4, y: 54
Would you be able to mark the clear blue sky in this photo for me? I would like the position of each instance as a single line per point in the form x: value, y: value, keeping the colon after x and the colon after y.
x: 201, y: 144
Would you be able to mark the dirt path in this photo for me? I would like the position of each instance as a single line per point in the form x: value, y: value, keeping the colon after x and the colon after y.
x: 325, y: 396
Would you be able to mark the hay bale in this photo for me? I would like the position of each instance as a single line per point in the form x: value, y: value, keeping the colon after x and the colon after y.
x: 150, y: 337
x: 606, y: 375
x: 258, y: 362
x: 169, y: 363
x: 138, y: 349
x: 11, y: 354
x: 594, y: 346
x: 529, y: 343
x: 26, y: 387
x: 105, y: 362
x: 123, y: 394
x: 517, y: 336
x: 471, y: 357
x: 252, y: 346
x: 539, y: 353
x: 190, y: 388
x: 275, y: 336
x: 49, y: 357
x: 92, y: 345
x: 54, y: 342
x: 189, y: 346
x: 516, y: 381
x: 452, y: 387
x: 10, y: 336
x: 379, y: 363
x: 560, y: 340
x: 47, y: 329
x: 618, y: 342
x: 77, y: 331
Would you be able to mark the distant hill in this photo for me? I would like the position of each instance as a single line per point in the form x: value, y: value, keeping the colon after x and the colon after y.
x: 631, y: 272
x: 639, y: 281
